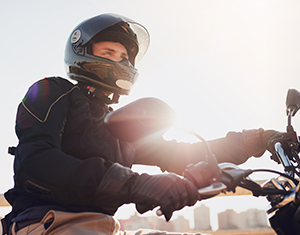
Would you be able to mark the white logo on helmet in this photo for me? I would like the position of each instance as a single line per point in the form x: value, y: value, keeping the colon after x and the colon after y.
x: 126, y: 85
x: 76, y: 36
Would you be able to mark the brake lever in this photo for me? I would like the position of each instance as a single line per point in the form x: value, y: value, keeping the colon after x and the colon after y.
x: 233, y: 177
x: 206, y: 192
x: 211, y: 190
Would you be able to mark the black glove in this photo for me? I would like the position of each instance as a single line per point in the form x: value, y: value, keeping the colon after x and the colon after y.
x: 257, y: 141
x: 168, y: 191
x: 289, y: 142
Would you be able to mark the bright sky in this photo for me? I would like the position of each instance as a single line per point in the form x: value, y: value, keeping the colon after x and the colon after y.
x: 223, y: 65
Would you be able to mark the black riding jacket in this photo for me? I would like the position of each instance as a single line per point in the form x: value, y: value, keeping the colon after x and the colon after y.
x: 65, y: 150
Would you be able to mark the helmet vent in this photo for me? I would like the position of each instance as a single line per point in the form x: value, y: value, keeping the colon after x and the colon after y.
x: 76, y: 36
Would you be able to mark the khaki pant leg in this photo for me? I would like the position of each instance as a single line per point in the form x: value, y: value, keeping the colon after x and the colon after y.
x: 155, y: 232
x: 65, y: 223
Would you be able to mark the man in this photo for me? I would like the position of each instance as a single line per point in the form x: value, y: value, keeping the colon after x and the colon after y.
x: 71, y: 174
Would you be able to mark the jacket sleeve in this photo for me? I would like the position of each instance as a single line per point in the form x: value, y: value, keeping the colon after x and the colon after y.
x: 41, y: 168
x: 174, y: 157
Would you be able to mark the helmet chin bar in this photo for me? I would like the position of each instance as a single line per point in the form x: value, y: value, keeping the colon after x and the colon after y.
x: 117, y: 77
x: 97, y: 84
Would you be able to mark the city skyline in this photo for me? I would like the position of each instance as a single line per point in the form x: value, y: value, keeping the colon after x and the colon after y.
x: 227, y: 220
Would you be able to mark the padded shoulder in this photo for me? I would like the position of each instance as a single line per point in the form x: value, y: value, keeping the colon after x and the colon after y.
x: 44, y: 94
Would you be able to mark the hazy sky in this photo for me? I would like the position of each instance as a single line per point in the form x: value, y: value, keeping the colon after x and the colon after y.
x: 223, y: 65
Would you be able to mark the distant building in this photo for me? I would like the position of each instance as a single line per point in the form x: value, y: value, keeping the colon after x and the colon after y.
x: 137, y: 222
x: 202, y: 218
x: 253, y: 218
x: 249, y: 219
x: 181, y: 224
x: 160, y: 223
x: 228, y: 220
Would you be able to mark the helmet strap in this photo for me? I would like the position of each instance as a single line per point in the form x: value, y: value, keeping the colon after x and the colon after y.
x: 97, y: 95
x: 115, y: 98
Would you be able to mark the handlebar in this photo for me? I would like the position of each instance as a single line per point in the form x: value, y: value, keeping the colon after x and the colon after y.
x: 282, y: 192
x: 284, y: 159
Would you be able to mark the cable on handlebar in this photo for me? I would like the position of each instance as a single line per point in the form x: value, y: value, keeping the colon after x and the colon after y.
x: 279, y: 173
x: 257, y: 190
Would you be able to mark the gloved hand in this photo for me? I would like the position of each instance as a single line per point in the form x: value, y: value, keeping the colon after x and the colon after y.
x: 256, y: 141
x: 285, y: 139
x: 168, y: 191
x: 121, y: 185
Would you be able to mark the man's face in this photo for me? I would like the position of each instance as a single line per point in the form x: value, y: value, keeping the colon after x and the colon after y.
x: 114, y: 51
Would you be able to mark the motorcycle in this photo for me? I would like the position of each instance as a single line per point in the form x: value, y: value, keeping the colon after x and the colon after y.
x: 147, y: 116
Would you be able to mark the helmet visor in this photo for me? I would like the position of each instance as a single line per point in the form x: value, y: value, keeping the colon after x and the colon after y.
x: 143, y: 39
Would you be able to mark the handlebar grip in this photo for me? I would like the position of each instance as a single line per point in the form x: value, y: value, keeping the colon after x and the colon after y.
x: 159, y: 212
x: 283, y: 158
x: 200, y: 174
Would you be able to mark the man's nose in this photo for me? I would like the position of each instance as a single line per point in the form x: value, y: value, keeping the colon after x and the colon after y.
x: 117, y: 58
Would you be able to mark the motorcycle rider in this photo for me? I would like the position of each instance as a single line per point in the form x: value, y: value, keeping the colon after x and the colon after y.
x: 70, y: 173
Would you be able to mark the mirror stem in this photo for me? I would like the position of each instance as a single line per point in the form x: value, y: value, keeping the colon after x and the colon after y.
x: 210, y: 157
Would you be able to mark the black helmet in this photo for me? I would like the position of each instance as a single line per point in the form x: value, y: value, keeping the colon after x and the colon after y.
x: 83, y: 66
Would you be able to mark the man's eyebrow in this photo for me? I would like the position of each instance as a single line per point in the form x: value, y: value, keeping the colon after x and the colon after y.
x: 107, y: 48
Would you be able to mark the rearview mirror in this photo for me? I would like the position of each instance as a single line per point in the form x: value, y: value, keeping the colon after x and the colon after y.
x: 140, y: 118
x: 293, y: 101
